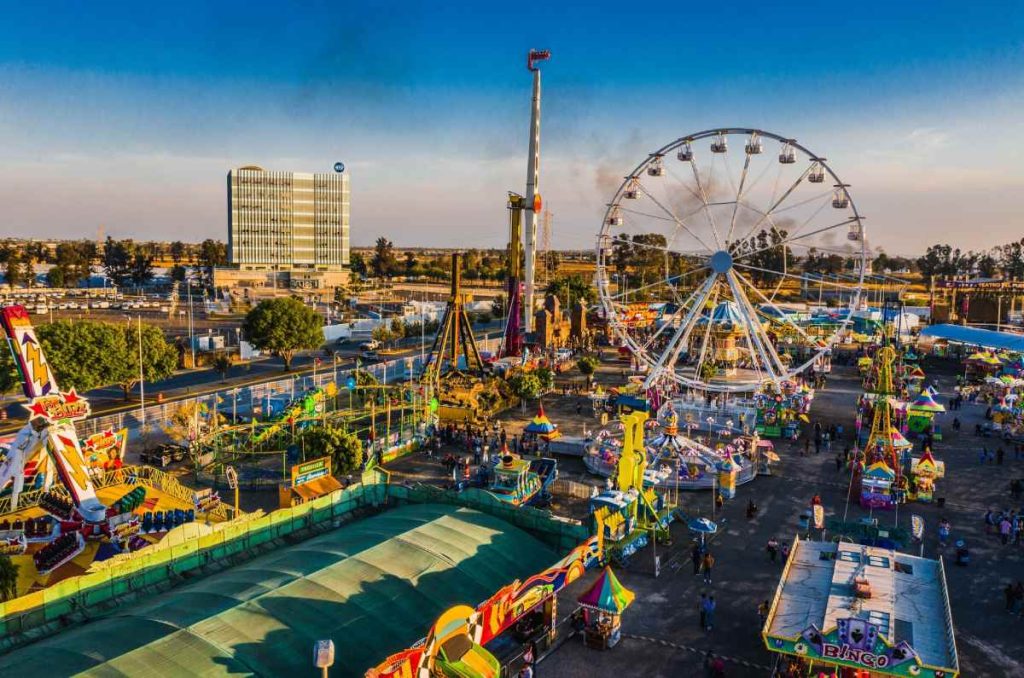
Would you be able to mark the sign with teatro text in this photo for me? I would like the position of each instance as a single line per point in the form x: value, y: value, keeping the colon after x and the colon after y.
x: 1015, y: 286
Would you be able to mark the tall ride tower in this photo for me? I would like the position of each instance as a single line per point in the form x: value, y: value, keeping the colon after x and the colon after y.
x: 533, y: 199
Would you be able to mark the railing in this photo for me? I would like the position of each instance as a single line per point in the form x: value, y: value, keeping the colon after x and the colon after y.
x: 571, y: 488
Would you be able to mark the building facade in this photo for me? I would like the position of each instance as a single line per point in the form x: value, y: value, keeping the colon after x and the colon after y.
x: 287, y: 227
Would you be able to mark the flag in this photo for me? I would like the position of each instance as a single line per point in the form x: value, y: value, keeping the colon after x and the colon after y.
x: 917, y: 526
x: 819, y: 517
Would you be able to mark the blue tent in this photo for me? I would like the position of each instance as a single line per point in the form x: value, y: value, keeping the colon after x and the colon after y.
x: 974, y: 336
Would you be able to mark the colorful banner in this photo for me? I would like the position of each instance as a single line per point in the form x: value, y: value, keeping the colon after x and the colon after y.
x: 819, y: 517
x: 917, y: 526
x: 856, y: 643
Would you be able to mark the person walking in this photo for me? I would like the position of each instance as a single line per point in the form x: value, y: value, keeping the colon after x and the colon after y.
x: 706, y: 565
x: 709, y: 613
x: 695, y: 558
x: 944, y: 529
x: 703, y: 611
x: 772, y: 548
x: 1005, y: 526
x: 762, y: 612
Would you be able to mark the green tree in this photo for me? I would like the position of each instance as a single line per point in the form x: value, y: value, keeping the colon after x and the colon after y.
x: 384, y: 262
x: 526, y: 386
x: 212, y: 253
x: 117, y: 260
x: 159, y: 358
x: 178, y: 273
x: 13, y: 268
x: 8, y: 578
x: 284, y: 327
x: 84, y: 354
x: 344, y: 449
x: 357, y: 263
x: 587, y: 365
x: 55, y: 277
x: 410, y: 263
x: 382, y: 334
x: 222, y: 363
x: 141, y: 268
x: 9, y: 376
x: 569, y: 289
x: 177, y: 251
x: 546, y: 377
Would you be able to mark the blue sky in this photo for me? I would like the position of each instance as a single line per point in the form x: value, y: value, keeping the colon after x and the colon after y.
x: 128, y: 115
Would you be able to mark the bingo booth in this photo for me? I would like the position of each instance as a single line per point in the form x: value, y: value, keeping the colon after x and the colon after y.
x: 310, y: 480
x: 603, y: 605
x: 857, y: 611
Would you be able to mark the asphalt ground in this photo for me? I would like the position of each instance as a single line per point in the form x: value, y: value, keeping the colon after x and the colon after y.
x: 661, y: 630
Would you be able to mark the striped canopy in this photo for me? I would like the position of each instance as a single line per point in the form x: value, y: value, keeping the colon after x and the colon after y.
x: 925, y: 403
x: 607, y: 594
x: 541, y: 425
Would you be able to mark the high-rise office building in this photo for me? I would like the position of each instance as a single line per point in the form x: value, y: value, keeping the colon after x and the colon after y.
x: 288, y: 225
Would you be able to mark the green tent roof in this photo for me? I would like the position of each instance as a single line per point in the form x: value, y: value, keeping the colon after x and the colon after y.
x: 374, y: 587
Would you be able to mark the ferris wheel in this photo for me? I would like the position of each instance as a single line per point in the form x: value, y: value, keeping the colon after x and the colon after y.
x: 730, y: 258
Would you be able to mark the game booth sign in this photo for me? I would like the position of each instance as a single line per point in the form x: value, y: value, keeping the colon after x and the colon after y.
x: 857, y: 644
x: 310, y: 479
x: 456, y: 644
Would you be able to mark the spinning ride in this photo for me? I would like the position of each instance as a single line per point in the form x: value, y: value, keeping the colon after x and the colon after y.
x: 675, y: 461
x: 696, y: 224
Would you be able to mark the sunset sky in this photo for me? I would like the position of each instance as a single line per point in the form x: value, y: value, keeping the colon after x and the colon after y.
x: 129, y: 115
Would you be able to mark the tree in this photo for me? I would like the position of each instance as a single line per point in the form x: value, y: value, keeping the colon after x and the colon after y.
x: 13, y: 269
x: 177, y: 251
x: 212, y: 253
x: 178, y: 273
x: 546, y: 377
x: 410, y: 263
x: 159, y: 358
x: 344, y: 449
x: 9, y: 376
x: 357, y: 263
x: 84, y: 354
x: 55, y: 277
x: 72, y: 263
x: 384, y: 262
x: 572, y: 288
x: 382, y: 333
x: 8, y: 578
x: 141, y: 268
x: 283, y: 327
x: 525, y: 385
x: 117, y: 260
x: 587, y: 366
x: 222, y: 363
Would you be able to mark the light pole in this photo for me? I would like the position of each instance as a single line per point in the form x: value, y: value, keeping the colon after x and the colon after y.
x: 142, y: 383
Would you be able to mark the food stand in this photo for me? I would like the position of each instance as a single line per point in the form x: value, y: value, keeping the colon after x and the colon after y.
x: 603, y: 604
x: 310, y: 480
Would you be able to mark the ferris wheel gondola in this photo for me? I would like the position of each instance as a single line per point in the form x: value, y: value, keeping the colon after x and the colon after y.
x: 738, y: 230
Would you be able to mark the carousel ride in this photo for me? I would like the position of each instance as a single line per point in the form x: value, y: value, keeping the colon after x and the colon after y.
x: 717, y: 229
x: 65, y: 504
x: 675, y: 461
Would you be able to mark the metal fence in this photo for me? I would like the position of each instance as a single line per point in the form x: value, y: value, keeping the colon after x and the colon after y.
x: 244, y: 399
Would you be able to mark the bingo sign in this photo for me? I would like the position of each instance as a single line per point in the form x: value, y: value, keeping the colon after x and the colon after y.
x: 310, y: 470
x: 856, y: 643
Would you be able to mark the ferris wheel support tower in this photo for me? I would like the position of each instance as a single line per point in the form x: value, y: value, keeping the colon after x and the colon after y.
x: 533, y: 199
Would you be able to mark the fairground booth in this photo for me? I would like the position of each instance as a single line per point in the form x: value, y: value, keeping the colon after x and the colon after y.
x: 859, y: 612
x: 310, y: 480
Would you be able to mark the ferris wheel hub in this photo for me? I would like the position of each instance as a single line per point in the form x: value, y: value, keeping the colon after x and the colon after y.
x: 721, y: 261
